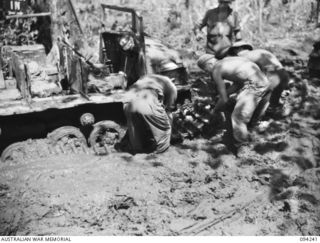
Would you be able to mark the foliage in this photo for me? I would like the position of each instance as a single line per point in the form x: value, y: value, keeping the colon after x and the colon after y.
x: 173, y: 21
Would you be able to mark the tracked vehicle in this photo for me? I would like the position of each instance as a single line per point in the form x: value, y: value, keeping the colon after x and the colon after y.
x: 314, y: 57
x: 72, y: 103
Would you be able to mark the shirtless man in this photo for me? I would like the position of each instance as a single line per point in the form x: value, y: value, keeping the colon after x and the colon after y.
x: 270, y: 65
x: 247, y: 78
x: 148, y: 114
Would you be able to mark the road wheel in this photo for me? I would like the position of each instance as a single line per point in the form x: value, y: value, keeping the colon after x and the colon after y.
x: 15, y: 152
x: 68, y: 139
x: 104, y: 136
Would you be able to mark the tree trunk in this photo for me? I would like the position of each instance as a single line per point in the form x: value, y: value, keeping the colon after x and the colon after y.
x: 260, y: 12
x: 54, y: 19
x: 62, y: 15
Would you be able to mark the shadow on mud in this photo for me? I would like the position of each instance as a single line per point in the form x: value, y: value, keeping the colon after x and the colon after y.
x: 264, y: 148
x: 128, y: 159
x: 302, y: 162
x: 277, y: 181
x: 214, y: 164
x: 215, y: 151
x: 282, y: 187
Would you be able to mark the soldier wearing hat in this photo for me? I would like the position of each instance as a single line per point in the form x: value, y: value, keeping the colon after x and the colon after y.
x: 223, y: 27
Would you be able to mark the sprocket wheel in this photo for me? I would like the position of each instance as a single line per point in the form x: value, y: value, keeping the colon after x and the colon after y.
x: 15, y: 152
x: 104, y: 136
x: 68, y: 139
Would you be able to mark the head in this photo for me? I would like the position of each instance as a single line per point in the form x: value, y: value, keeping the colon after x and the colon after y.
x: 127, y: 42
x: 225, y: 3
x: 207, y: 62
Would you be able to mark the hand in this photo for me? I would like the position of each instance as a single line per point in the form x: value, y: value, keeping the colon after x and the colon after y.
x: 213, y: 112
x: 199, y: 37
x: 217, y: 118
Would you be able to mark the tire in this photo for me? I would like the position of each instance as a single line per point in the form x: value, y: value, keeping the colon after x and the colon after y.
x: 62, y: 134
x: 104, y: 136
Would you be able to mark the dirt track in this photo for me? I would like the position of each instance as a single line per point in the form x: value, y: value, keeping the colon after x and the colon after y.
x: 196, y: 188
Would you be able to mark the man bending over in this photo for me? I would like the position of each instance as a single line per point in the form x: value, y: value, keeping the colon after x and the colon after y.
x: 271, y: 66
x: 247, y: 78
x: 148, y: 114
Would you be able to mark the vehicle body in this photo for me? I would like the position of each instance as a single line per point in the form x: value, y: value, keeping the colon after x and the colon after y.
x: 314, y: 57
x: 314, y: 61
x: 71, y: 99
x: 158, y: 58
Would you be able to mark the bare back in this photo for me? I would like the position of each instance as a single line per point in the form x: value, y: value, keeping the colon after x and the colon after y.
x: 263, y: 58
x: 161, y: 84
x: 238, y: 70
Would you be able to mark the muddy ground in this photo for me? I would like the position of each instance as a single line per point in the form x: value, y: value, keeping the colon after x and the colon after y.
x: 196, y: 188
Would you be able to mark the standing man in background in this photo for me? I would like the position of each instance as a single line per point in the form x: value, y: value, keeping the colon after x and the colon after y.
x: 223, y: 27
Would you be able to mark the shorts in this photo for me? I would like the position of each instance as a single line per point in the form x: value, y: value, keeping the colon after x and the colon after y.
x: 149, y: 127
x: 253, y: 99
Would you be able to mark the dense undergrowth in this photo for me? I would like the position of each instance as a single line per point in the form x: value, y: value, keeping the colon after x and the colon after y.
x: 173, y: 21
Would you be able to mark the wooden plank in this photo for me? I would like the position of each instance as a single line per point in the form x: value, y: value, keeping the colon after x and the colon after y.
x: 2, y: 84
x: 198, y: 227
x: 24, y: 16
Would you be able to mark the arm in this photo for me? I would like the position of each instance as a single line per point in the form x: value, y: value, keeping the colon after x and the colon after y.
x: 198, y: 28
x: 204, y: 21
x: 172, y: 93
x: 234, y: 88
x: 221, y: 87
x: 237, y: 28
x: 237, y: 34
x: 170, y: 116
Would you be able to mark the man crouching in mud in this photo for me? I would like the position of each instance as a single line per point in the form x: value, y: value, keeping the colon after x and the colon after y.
x: 254, y: 88
x: 148, y: 114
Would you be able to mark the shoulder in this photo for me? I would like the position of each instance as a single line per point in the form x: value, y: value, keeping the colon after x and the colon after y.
x: 159, y: 78
x: 231, y: 62
x: 264, y: 54
x: 263, y: 51
x: 212, y: 11
x: 161, y: 81
x: 235, y: 13
x: 218, y: 67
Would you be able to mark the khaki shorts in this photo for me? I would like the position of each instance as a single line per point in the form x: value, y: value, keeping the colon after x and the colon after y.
x: 149, y: 126
x: 252, y: 96
x: 279, y: 80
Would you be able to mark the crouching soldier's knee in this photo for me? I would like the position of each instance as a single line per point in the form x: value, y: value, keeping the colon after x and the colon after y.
x: 239, y: 127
